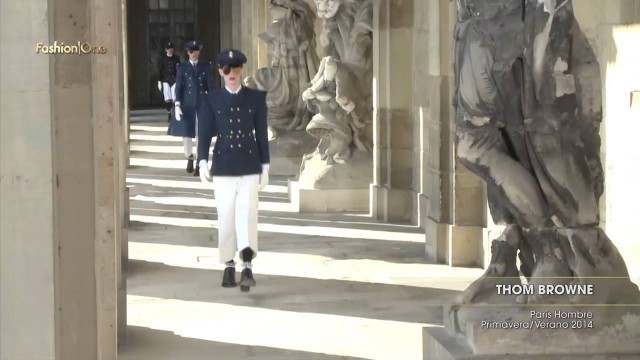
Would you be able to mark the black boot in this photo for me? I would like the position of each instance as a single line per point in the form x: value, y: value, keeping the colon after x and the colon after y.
x: 229, y: 277
x: 190, y: 164
x: 196, y: 172
x: 169, y: 105
x: 246, y: 280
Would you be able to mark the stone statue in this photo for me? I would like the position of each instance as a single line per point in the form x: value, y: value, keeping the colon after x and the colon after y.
x: 528, y: 112
x: 294, y: 61
x: 340, y: 93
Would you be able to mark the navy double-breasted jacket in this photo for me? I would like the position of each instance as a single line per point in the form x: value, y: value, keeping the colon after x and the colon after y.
x: 192, y: 84
x: 239, y: 121
x: 168, y: 67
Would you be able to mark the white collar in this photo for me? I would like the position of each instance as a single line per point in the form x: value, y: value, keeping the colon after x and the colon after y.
x: 232, y: 92
x: 193, y: 62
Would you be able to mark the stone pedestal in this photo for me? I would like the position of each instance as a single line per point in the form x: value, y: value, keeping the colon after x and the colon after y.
x: 328, y: 200
x: 287, y: 150
x: 324, y: 187
x: 558, y: 332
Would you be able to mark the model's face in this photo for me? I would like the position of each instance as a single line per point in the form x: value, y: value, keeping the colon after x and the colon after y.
x: 170, y: 51
x: 233, y: 78
x: 193, y: 55
x: 327, y: 8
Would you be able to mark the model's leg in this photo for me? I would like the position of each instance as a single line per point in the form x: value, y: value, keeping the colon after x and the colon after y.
x: 187, y: 142
x: 247, y: 226
x: 196, y: 171
x: 168, y: 99
x: 225, y: 188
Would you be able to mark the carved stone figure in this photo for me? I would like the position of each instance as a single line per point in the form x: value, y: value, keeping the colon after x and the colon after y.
x: 294, y: 61
x: 340, y: 93
x: 528, y: 109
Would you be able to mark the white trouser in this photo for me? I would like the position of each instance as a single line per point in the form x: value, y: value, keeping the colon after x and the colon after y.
x: 187, y: 142
x: 237, y: 204
x: 169, y: 92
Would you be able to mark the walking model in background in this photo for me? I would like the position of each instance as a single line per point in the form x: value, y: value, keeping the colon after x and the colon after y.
x: 167, y: 68
x: 193, y: 82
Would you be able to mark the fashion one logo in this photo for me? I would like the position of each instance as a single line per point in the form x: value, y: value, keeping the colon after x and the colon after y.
x: 79, y: 48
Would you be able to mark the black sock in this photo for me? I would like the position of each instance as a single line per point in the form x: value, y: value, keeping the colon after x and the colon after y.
x: 246, y: 255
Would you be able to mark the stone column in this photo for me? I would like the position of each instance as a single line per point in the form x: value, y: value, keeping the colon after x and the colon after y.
x: 122, y: 195
x: 107, y: 175
x: 58, y: 166
x: 391, y: 193
x: 431, y: 90
x: 450, y: 200
x: 228, y: 23
x: 261, y: 19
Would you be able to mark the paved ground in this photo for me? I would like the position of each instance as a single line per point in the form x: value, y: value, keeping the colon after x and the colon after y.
x: 329, y: 286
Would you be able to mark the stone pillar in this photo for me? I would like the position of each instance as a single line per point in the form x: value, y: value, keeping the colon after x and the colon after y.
x: 230, y: 18
x: 391, y: 193
x: 250, y: 19
x: 450, y: 201
x: 122, y: 141
x: 431, y: 93
x: 58, y: 166
x: 261, y: 19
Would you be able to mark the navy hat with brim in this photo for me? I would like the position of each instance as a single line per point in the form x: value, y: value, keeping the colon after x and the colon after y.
x: 193, y: 46
x: 231, y: 58
x: 169, y: 45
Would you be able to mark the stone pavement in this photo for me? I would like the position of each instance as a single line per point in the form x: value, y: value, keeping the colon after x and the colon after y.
x: 330, y: 286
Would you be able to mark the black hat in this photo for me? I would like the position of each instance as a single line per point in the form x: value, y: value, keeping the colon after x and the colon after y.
x: 193, y: 46
x: 231, y: 58
x: 169, y: 45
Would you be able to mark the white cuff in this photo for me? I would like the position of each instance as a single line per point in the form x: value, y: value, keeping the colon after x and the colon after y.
x: 177, y: 103
x: 265, y: 168
x: 203, y: 163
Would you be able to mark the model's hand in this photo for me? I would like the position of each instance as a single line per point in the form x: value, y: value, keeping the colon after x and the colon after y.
x: 204, y: 172
x: 264, y: 177
x: 178, y: 112
x: 160, y: 85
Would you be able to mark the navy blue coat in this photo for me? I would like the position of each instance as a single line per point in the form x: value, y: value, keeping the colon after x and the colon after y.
x: 192, y: 84
x: 240, y: 124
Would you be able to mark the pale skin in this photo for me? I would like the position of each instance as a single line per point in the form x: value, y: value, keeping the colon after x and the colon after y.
x: 232, y: 80
x: 193, y: 55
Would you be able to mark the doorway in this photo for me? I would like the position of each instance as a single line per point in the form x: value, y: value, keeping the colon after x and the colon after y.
x: 153, y: 23
x: 169, y: 20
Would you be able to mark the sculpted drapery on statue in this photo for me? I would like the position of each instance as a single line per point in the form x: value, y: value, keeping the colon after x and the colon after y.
x: 528, y: 112
x: 294, y: 61
x: 340, y: 93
